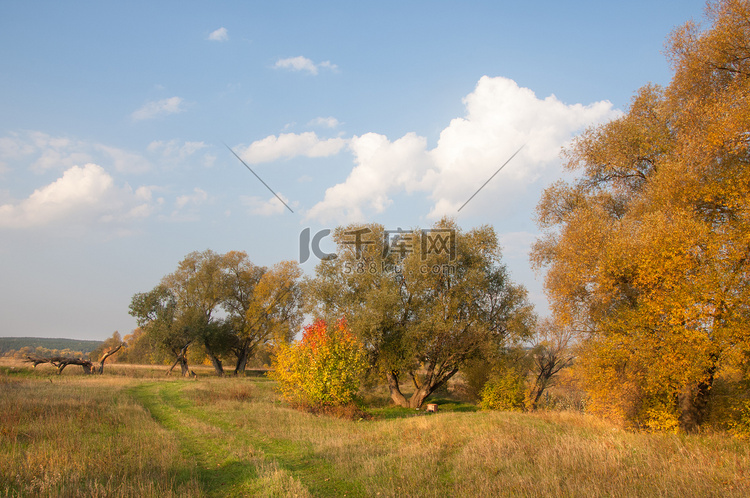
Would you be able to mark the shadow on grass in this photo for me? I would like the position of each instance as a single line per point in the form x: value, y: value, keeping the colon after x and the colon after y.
x: 231, y: 475
x: 258, y: 373
x: 445, y: 405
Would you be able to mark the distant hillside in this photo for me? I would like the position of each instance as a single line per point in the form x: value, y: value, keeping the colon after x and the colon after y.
x: 16, y: 343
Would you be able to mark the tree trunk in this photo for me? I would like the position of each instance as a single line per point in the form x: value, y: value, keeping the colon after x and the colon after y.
x: 428, y: 387
x: 107, y: 355
x: 216, y: 362
x: 395, y: 390
x: 422, y: 392
x: 185, y: 370
x: 242, y: 357
x: 693, y: 402
x: 419, y: 396
x: 540, y: 385
x: 61, y: 362
x: 182, y: 360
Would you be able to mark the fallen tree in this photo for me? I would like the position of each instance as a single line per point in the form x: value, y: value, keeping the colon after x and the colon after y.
x: 62, y: 361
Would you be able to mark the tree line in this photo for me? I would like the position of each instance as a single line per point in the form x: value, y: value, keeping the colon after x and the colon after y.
x: 419, y: 312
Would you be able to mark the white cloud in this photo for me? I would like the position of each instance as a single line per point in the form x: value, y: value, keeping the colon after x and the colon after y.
x: 517, y: 245
x: 288, y: 145
x: 220, y: 35
x: 163, y: 107
x: 58, y: 158
x: 500, y: 118
x: 55, y: 152
x: 301, y: 63
x: 329, y: 122
x: 268, y: 207
x: 382, y: 168
x: 328, y: 65
x: 14, y: 146
x: 42, y: 152
x: 124, y: 161
x: 82, y: 195
x: 174, y: 150
x: 199, y: 196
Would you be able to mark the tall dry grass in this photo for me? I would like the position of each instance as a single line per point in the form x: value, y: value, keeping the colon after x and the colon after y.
x: 83, y: 436
x: 119, y: 436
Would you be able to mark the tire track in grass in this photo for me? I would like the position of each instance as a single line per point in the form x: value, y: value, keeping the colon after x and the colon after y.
x: 172, y: 410
x: 215, y: 469
x: 298, y: 458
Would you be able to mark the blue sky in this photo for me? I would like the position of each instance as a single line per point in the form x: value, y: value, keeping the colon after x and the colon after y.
x: 114, y: 118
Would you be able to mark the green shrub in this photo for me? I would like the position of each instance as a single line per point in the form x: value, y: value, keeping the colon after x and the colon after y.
x: 504, y: 391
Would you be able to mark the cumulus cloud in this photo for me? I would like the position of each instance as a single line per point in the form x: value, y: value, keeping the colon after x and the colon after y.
x: 159, y: 108
x: 54, y: 152
x: 82, y: 194
x: 15, y: 146
x: 288, y: 145
x: 265, y: 207
x: 500, y: 118
x: 382, y: 168
x: 301, y: 63
x: 219, y: 35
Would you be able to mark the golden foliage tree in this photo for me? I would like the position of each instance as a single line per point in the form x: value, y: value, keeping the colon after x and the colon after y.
x: 648, y: 251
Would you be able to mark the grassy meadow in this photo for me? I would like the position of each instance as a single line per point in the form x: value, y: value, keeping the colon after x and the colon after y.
x: 133, y: 432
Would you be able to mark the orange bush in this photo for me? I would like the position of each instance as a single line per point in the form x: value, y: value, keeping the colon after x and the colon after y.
x: 323, y: 369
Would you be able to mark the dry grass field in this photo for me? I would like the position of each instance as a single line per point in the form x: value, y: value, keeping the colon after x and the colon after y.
x: 133, y: 432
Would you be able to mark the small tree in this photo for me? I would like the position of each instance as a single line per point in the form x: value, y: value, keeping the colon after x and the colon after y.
x: 323, y: 369
x: 551, y: 353
x: 504, y: 391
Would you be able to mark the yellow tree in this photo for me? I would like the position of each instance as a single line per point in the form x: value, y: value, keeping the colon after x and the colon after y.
x: 648, y: 251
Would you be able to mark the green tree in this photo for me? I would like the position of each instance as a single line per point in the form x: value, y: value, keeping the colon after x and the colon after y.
x: 199, y: 289
x: 223, y: 305
x: 422, y: 310
x: 157, y: 313
x: 263, y: 305
x: 649, y: 250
